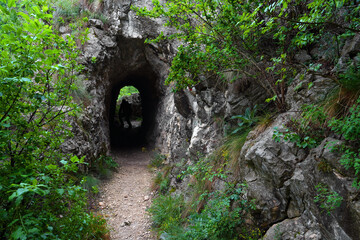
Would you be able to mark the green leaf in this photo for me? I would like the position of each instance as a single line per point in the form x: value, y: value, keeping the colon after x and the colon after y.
x: 19, y: 234
x: 25, y: 16
x: 64, y: 162
x: 36, y: 9
x: 34, y: 182
x: 8, y: 27
x: 11, y: 3
x: 60, y: 191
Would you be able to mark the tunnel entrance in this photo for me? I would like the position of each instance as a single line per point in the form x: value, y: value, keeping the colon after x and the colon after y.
x: 128, y: 113
x: 133, y: 108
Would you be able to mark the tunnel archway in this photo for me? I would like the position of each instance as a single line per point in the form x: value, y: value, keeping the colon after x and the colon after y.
x: 128, y: 112
x: 145, y: 81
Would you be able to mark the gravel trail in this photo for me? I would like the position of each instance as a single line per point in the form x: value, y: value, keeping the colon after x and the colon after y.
x: 124, y: 198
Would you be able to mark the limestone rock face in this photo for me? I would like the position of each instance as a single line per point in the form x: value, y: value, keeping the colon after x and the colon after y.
x: 281, y: 177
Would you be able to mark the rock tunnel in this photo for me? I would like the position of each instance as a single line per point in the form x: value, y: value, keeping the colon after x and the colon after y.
x: 133, y: 63
x: 145, y: 81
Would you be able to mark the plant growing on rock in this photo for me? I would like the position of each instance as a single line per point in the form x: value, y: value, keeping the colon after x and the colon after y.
x: 329, y: 200
x: 306, y: 131
x: 349, y: 128
x: 314, y: 125
x: 247, y: 120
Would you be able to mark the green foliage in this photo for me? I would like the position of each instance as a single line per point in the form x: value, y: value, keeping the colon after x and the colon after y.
x: 103, y: 166
x: 161, y: 181
x: 247, y: 120
x: 205, y: 170
x: 223, y: 213
x: 164, y: 184
x: 244, y: 36
x: 313, y: 126
x: 157, y: 160
x: 166, y: 212
x: 350, y: 80
x: 329, y: 200
x: 39, y: 184
x: 306, y: 131
x: 127, y: 91
x: 72, y: 11
x: 349, y: 128
x: 67, y: 9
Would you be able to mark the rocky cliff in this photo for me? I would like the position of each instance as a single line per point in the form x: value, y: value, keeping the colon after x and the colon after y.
x: 281, y: 176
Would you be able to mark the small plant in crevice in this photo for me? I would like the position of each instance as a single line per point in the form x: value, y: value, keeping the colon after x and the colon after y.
x: 278, y: 233
x: 329, y: 200
x: 157, y: 160
x: 306, y: 131
x: 161, y: 181
x: 324, y: 166
x: 103, y: 166
x: 247, y: 120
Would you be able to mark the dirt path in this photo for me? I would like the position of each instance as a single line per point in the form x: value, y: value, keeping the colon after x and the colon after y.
x: 124, y: 198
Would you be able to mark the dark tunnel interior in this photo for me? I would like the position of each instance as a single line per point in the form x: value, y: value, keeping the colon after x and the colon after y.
x: 125, y: 137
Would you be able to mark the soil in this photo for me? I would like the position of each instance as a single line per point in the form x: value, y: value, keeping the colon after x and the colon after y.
x: 124, y: 198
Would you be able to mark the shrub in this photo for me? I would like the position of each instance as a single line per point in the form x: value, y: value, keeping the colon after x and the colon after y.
x: 209, y: 214
x: 166, y: 212
x: 329, y: 200
x: 222, y: 215
x: 41, y: 196
x: 349, y: 128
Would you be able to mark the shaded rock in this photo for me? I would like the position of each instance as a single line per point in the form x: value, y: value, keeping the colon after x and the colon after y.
x: 293, y: 229
x: 350, y: 51
x: 302, y: 56
x: 182, y: 103
x: 308, y: 89
x: 96, y: 23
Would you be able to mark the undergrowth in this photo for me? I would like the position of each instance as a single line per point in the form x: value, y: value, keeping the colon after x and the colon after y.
x: 41, y: 187
x: 72, y: 11
x: 206, y: 213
